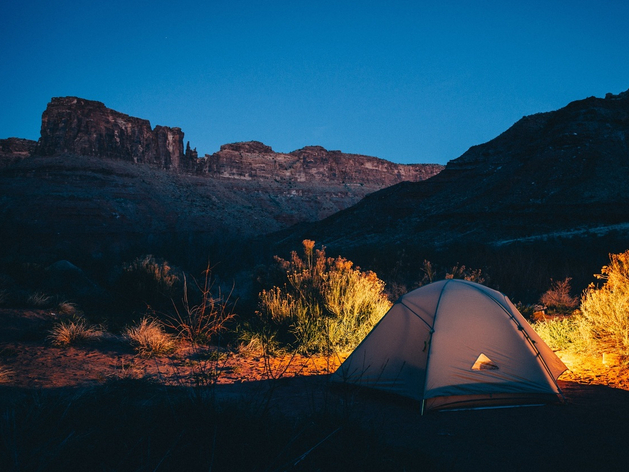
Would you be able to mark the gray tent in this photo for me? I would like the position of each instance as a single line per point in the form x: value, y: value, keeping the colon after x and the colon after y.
x: 456, y: 344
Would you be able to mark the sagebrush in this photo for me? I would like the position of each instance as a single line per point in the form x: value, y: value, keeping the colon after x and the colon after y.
x: 325, y: 304
x: 604, y: 319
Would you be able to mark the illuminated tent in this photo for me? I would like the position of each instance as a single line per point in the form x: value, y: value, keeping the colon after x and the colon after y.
x: 456, y: 344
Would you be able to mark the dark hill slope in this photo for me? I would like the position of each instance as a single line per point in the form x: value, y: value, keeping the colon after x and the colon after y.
x: 559, y: 178
x: 102, y: 185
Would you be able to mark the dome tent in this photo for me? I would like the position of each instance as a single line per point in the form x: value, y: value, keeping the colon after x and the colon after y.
x: 456, y: 344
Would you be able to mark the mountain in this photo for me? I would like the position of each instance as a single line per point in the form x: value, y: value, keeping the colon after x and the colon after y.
x: 551, y: 190
x: 99, y: 184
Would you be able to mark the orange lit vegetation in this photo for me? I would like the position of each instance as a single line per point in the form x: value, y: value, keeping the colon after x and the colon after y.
x: 75, y: 330
x: 200, y: 321
x: 325, y: 304
x: 601, y: 324
x: 148, y: 338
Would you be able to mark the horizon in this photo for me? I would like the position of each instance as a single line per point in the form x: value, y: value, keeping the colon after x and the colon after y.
x: 407, y: 82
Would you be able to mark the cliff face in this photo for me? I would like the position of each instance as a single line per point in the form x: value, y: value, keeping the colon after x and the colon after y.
x: 72, y: 125
x: 100, y: 183
x: 13, y: 150
x: 256, y: 161
x: 81, y: 127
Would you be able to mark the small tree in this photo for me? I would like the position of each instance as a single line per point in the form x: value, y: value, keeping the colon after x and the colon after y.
x: 325, y: 304
x: 558, y: 299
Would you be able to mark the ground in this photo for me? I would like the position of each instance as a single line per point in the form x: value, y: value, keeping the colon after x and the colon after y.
x: 588, y: 432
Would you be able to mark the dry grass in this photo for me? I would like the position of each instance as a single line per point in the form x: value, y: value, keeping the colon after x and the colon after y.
x: 66, y: 308
x: 39, y: 300
x: 201, y: 321
x: 73, y: 331
x: 149, y: 339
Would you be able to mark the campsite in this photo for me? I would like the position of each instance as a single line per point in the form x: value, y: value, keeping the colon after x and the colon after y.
x: 247, y: 411
x: 314, y: 236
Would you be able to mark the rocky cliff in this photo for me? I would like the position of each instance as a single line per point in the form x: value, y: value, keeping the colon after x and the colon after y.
x: 552, y: 189
x: 72, y: 125
x: 14, y: 149
x: 76, y: 126
x: 256, y: 161
x: 100, y: 183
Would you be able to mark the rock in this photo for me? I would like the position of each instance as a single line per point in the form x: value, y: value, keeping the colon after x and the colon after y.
x: 255, y: 161
x: 72, y: 125
x: 76, y: 126
x: 14, y: 149
x: 65, y: 279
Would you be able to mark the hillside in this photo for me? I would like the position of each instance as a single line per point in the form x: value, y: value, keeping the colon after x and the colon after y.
x: 100, y: 185
x: 552, y: 183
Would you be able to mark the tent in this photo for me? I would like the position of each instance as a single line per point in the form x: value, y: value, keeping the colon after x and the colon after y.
x: 456, y: 344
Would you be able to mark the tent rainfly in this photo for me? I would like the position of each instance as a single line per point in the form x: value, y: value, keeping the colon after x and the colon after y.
x: 456, y: 344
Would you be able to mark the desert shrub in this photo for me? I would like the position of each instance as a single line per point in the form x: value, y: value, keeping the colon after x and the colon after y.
x: 39, y: 300
x: 203, y: 313
x: 604, y: 319
x: 560, y: 333
x: 148, y: 282
x: 558, y: 299
x: 325, y: 303
x: 462, y: 272
x: 66, y: 308
x: 148, y: 338
x: 75, y: 330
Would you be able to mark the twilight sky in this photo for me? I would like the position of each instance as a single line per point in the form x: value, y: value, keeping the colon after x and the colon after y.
x: 408, y: 81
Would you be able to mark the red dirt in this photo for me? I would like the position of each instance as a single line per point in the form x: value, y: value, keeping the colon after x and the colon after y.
x: 589, y: 432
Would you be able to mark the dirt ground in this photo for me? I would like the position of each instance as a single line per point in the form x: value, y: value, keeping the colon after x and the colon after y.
x: 588, y: 432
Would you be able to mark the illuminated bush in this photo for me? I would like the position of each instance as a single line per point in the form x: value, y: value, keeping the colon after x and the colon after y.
x: 560, y: 333
x: 558, y: 299
x: 325, y: 304
x: 148, y: 338
x: 604, y: 319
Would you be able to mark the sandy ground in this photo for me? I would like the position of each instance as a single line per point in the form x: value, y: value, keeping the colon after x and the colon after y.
x: 588, y: 432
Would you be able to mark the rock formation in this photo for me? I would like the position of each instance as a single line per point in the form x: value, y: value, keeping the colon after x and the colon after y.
x: 256, y: 161
x: 15, y: 149
x: 82, y: 127
x: 100, y: 183
x: 553, y: 187
x: 72, y: 125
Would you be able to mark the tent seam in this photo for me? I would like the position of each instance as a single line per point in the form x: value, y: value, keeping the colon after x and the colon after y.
x: 432, y: 330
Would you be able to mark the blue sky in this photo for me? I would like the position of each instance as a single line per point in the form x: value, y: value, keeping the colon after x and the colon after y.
x: 408, y: 81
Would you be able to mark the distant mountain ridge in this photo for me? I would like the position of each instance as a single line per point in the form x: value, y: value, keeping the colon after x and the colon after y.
x: 76, y: 126
x: 100, y: 181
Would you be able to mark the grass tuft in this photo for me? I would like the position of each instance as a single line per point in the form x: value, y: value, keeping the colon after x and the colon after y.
x: 149, y: 339
x: 39, y: 300
x: 73, y: 331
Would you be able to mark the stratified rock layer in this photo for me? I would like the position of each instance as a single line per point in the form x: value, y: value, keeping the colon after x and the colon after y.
x: 72, y: 125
